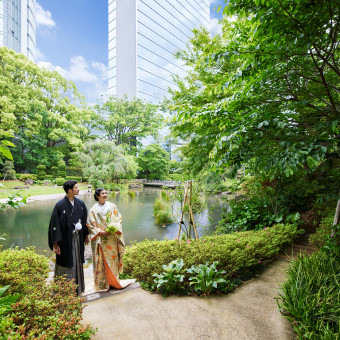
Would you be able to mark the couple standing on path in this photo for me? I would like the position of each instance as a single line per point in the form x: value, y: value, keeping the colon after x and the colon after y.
x: 70, y: 228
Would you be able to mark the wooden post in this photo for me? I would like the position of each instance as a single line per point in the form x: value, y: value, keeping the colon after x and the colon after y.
x: 181, y: 221
x: 337, y: 213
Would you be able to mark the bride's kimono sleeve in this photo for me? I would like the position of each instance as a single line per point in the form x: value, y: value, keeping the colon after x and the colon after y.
x: 92, y: 224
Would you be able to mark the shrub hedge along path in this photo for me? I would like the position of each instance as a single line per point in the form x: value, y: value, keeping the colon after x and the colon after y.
x: 250, y: 312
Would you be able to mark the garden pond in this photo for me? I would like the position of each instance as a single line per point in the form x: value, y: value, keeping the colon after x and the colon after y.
x: 28, y: 226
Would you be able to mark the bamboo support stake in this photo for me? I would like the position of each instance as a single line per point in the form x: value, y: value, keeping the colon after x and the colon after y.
x: 181, y: 221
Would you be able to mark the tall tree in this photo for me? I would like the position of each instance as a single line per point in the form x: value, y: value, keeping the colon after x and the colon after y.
x: 154, y: 162
x: 126, y: 121
x: 44, y: 112
x: 278, y: 109
x: 103, y: 162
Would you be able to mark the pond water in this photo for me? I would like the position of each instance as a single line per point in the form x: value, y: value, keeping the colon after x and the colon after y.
x: 28, y: 226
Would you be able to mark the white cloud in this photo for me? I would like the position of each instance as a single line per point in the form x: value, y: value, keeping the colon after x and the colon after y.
x: 215, y: 27
x: 43, y: 18
x: 90, y: 78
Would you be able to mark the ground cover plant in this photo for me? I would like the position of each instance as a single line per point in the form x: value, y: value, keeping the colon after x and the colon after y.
x: 236, y: 253
x: 310, y: 298
x: 42, y: 311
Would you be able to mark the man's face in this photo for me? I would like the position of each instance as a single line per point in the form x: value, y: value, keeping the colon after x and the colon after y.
x: 75, y: 190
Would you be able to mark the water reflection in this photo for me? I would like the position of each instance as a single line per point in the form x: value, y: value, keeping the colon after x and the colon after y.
x: 28, y: 226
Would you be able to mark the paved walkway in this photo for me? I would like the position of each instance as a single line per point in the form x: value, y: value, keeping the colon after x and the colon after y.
x: 250, y: 312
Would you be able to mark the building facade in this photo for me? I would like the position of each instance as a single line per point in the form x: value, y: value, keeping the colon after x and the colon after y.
x: 143, y: 36
x: 18, y: 26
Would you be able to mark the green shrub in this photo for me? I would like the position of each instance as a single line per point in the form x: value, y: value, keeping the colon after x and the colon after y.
x: 310, y: 298
x: 75, y: 178
x: 175, y: 177
x: 205, y: 278
x: 24, y: 177
x: 60, y: 181
x: 22, y: 268
x: 61, y: 170
x: 252, y: 214
x: 41, y: 172
x: 6, y: 301
x: 75, y: 171
x: 132, y: 194
x: 8, y: 171
x: 54, y: 171
x: 42, y: 311
x: 235, y: 252
x: 319, y: 238
x: 161, y: 209
x: 168, y: 281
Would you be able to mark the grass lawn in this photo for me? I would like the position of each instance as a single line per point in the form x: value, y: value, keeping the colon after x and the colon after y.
x: 34, y: 190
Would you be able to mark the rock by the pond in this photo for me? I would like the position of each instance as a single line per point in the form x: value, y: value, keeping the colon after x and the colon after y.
x: 22, y: 187
x: 225, y: 193
x: 47, y: 183
x: 29, y: 181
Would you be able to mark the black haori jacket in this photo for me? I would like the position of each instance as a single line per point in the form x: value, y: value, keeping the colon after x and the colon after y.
x: 63, y: 218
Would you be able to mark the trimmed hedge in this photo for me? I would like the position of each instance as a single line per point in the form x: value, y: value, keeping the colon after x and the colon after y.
x: 235, y: 252
x: 42, y: 311
x: 60, y: 181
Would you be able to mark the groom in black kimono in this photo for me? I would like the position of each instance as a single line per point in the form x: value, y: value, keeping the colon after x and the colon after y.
x: 67, y: 235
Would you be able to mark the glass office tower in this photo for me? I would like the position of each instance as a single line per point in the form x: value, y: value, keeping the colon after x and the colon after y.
x: 143, y: 35
x: 17, y: 26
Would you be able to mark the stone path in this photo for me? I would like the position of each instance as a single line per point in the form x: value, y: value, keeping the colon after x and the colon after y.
x: 250, y: 312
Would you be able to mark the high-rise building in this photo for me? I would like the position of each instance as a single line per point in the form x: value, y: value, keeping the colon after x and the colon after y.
x: 143, y: 35
x: 17, y: 26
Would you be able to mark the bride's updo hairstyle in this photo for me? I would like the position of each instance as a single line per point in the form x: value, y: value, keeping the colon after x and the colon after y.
x: 97, y: 193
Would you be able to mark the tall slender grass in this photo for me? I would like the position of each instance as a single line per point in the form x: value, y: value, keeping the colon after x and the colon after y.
x: 310, y: 298
x: 162, y: 209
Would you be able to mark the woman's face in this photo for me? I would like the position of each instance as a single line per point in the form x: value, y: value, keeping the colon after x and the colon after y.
x: 102, y: 197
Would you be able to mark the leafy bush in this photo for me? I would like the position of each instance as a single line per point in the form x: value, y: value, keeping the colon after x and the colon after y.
x: 61, y: 173
x: 75, y: 178
x: 235, y: 252
x: 310, y: 298
x: 6, y: 301
x: 8, y: 171
x: 75, y: 171
x: 41, y: 172
x: 60, y: 181
x: 42, y: 311
x: 21, y: 269
x: 252, y: 214
x: 205, y: 278
x: 161, y: 209
x: 322, y: 233
x: 132, y: 194
x: 175, y: 177
x: 168, y: 281
x: 24, y: 177
x: 54, y: 170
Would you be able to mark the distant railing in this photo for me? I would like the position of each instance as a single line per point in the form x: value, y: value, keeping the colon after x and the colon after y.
x: 170, y: 184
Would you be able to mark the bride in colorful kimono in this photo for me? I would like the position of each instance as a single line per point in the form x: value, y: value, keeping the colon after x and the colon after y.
x: 105, y: 227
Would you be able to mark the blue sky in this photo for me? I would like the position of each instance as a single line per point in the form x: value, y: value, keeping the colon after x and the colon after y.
x: 72, y: 39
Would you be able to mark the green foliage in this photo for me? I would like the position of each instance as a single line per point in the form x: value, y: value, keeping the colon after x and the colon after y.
x: 322, y: 233
x: 8, y: 171
x: 41, y: 172
x: 235, y: 252
x: 53, y: 310
x: 153, y: 161
x: 44, y: 111
x: 54, y: 170
x: 162, y: 209
x: 74, y: 171
x: 104, y: 162
x: 263, y: 94
x: 15, y: 201
x: 125, y: 122
x: 205, y: 278
x: 24, y: 177
x: 175, y: 177
x: 169, y: 280
x: 60, y: 181
x: 246, y: 215
x: 132, y: 194
x: 4, y: 146
x: 75, y: 178
x: 310, y: 298
x: 6, y: 301
x: 61, y: 173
